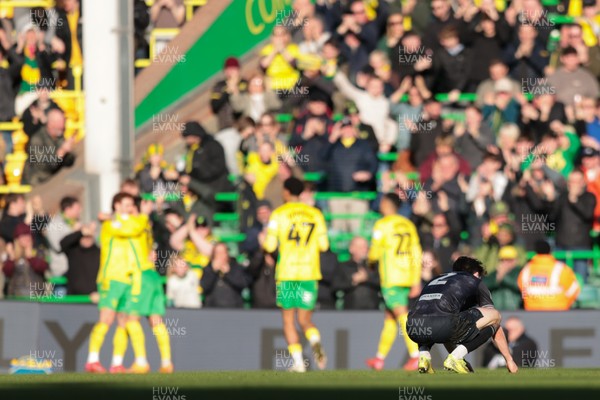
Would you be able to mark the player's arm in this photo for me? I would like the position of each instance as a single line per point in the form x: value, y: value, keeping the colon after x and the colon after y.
x: 501, y: 343
x: 321, y: 231
x: 499, y: 339
x: 376, y: 248
x: 270, y: 243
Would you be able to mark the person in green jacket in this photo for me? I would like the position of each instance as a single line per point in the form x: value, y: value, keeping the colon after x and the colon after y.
x: 557, y: 150
x: 503, y: 282
x: 489, y: 251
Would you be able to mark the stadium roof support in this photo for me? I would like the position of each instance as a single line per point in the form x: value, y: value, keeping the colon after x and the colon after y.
x: 108, y: 85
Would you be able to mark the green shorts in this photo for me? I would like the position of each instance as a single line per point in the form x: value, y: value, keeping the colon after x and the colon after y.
x: 395, y: 296
x: 297, y: 294
x: 151, y: 300
x: 115, y: 297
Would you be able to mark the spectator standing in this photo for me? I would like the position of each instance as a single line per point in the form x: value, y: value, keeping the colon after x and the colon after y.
x: 195, y: 243
x: 155, y: 175
x: 231, y: 140
x: 62, y: 224
x: 257, y: 100
x: 425, y: 131
x: 65, y: 35
x: 83, y: 256
x: 351, y: 167
x: 373, y: 107
x: 452, y: 65
x: 220, y: 97
x: 14, y: 213
x: 473, y: 137
x: 526, y: 57
x: 590, y: 165
x: 573, y: 212
x: 262, y: 167
x: 8, y: 77
x: 278, y: 60
x: 205, y: 172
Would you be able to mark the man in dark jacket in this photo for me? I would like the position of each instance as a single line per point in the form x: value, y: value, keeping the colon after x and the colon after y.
x: 83, y: 255
x: 219, y: 98
x: 262, y: 272
x: 205, y: 170
x: 312, y: 130
x: 352, y: 165
x: 8, y: 79
x: 424, y: 132
x: 49, y: 152
x: 526, y: 57
x: 452, y: 64
x: 329, y: 265
x: 359, y: 283
x: 573, y: 212
x: 12, y: 215
x: 71, y: 35
x: 223, y: 280
x: 442, y: 17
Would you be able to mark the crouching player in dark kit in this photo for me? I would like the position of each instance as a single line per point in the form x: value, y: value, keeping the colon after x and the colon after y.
x: 456, y: 310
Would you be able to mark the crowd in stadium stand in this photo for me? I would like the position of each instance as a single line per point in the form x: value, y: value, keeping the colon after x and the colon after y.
x: 483, y: 116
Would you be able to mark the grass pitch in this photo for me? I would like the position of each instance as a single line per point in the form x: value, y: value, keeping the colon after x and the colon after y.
x: 530, y: 384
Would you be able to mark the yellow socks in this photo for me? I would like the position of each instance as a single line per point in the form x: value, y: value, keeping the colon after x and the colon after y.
x: 387, y: 338
x: 96, y: 340
x: 164, y: 343
x: 138, y: 342
x: 412, y: 347
x: 313, y: 336
x: 119, y: 346
x: 296, y: 353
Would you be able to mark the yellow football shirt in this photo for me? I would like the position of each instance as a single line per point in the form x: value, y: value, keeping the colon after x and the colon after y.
x: 263, y: 173
x: 395, y: 244
x: 282, y: 74
x: 120, y: 248
x: 300, y: 233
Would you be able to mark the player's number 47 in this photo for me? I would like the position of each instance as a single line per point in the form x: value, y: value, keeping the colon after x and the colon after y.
x: 295, y: 233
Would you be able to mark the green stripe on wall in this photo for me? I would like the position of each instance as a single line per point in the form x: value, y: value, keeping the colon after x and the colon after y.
x: 238, y: 29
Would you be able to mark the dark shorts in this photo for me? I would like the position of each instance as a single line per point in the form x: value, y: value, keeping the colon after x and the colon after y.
x: 455, y: 328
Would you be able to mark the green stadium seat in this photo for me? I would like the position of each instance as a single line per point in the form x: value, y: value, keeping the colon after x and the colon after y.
x: 226, y: 196
x: 346, y: 195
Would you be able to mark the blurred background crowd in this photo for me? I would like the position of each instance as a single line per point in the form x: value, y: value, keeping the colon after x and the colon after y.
x: 482, y: 115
